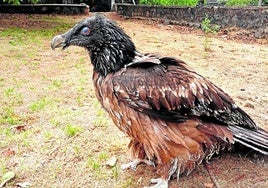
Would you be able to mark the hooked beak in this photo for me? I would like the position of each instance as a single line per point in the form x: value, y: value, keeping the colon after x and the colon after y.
x: 58, y: 41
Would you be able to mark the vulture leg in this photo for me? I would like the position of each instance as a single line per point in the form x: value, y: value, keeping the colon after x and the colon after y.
x: 160, y: 183
x: 133, y: 165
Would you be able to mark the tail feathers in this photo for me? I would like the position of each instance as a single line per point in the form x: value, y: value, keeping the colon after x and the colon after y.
x: 256, y: 139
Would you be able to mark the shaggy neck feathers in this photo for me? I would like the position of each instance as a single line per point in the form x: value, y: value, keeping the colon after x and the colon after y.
x: 113, y: 51
x: 111, y: 58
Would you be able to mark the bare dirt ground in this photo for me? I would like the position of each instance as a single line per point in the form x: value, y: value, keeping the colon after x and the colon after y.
x: 49, y: 92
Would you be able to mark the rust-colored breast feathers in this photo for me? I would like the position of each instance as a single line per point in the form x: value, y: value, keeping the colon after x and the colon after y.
x: 169, y: 112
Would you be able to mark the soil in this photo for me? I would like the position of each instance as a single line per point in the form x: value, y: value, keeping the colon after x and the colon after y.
x: 233, y: 60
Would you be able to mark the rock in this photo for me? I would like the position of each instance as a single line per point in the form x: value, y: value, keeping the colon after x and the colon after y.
x: 111, y: 162
x: 24, y: 184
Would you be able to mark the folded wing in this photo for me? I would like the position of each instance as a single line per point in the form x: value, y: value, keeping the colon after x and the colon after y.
x: 165, y: 88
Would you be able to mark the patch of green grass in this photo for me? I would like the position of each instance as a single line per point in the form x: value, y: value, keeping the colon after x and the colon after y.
x: 9, y: 116
x: 39, y: 104
x: 20, y: 36
x: 11, y: 97
x: 21, y: 139
x: 103, y: 156
x: 8, y: 92
x: 77, y: 149
x: 62, y: 117
x: 4, y: 131
x: 16, y: 35
x: 97, y: 165
x: 48, y: 135
x: 94, y: 164
x: 71, y: 130
x: 55, y: 122
x: 115, y: 171
x: 55, y: 84
x: 32, y: 64
x: 80, y: 99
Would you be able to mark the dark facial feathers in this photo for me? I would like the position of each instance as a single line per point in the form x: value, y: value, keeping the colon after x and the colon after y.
x: 110, y: 48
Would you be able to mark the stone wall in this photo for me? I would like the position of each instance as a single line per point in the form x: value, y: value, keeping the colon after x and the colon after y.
x: 45, y: 8
x: 251, y: 18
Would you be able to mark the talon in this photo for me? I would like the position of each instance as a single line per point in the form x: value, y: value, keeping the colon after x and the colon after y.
x: 133, y: 165
x: 126, y: 166
x: 159, y: 183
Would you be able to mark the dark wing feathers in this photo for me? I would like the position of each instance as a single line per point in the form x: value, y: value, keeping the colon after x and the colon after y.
x: 171, y: 92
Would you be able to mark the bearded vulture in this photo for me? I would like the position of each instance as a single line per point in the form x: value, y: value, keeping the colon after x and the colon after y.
x: 174, y: 117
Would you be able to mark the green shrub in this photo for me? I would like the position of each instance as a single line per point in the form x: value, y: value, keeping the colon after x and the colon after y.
x: 17, y: 2
x: 239, y: 2
x: 170, y: 2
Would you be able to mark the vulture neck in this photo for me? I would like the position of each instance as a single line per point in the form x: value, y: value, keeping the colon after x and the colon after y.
x: 112, y: 57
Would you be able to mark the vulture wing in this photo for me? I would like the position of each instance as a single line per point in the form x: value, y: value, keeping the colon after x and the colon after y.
x: 164, y: 88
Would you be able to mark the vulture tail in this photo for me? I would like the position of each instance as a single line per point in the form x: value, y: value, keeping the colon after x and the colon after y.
x: 256, y: 139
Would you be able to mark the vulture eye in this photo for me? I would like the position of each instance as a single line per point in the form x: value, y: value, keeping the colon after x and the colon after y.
x: 85, y: 31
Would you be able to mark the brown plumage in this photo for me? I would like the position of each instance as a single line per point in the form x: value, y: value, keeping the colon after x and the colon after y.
x: 174, y: 117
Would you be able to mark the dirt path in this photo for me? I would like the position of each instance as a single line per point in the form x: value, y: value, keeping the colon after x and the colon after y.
x: 47, y: 157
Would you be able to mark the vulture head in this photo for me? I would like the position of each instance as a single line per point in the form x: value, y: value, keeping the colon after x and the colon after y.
x: 109, y: 47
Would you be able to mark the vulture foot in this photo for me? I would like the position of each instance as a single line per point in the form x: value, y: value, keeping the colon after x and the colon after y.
x: 160, y: 183
x: 133, y: 165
